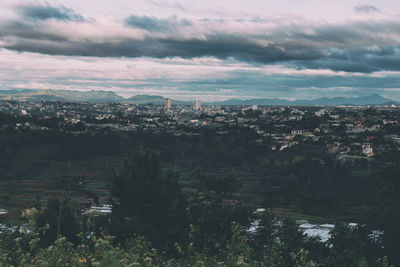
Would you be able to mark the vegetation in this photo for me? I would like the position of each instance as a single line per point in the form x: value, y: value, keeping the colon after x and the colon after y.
x: 148, y: 200
x: 303, y: 177
x: 154, y: 223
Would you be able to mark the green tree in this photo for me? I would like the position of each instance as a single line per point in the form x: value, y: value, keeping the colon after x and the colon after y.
x: 58, y: 218
x: 291, y: 240
x: 212, y: 219
x: 388, y: 211
x: 263, y: 239
x: 149, y: 200
x: 351, y: 247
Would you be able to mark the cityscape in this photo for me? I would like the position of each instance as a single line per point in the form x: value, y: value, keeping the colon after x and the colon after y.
x: 78, y: 145
x: 353, y: 133
x: 200, y: 133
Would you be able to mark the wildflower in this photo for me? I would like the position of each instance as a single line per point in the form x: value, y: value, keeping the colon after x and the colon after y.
x: 83, y: 260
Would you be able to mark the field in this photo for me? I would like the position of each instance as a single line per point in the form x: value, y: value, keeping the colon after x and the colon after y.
x: 36, y: 175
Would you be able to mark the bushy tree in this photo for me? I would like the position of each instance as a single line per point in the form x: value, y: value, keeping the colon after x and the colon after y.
x: 58, y: 218
x: 264, y: 238
x: 388, y: 211
x: 211, y: 218
x: 351, y: 247
x: 291, y: 240
x: 149, y: 200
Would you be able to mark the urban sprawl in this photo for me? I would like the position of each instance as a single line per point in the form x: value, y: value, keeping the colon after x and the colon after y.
x: 353, y: 133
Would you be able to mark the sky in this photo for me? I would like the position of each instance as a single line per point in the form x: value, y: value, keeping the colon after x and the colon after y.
x: 206, y: 50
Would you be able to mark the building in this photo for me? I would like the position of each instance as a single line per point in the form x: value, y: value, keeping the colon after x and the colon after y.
x: 219, y: 118
x: 297, y: 132
x: 367, y: 150
x: 168, y: 103
x: 197, y: 105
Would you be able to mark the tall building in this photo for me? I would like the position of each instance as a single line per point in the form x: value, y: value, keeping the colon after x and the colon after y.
x: 168, y: 103
x: 197, y: 105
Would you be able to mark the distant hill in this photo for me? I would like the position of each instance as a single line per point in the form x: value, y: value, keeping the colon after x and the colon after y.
x: 153, y: 99
x: 61, y: 95
x: 255, y: 101
x: 144, y: 99
x: 111, y: 97
x: 15, y: 91
x: 80, y: 96
x: 373, y: 99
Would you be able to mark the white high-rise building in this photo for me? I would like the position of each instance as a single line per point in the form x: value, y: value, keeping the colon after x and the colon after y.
x: 197, y: 105
x: 168, y: 103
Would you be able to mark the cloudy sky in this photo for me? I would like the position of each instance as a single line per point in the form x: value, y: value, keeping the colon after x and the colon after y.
x: 208, y: 50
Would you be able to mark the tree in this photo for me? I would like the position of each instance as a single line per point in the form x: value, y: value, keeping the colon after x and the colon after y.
x: 291, y: 240
x: 388, y: 211
x: 211, y: 218
x: 54, y: 223
x: 352, y: 247
x: 149, y: 200
x: 263, y: 239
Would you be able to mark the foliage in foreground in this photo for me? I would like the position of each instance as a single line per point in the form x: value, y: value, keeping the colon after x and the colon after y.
x: 187, y: 231
x: 285, y: 245
x: 100, y: 251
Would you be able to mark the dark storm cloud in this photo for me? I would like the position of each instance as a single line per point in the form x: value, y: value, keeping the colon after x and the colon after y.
x: 366, y: 9
x: 15, y: 31
x: 352, y: 47
x: 214, y: 46
x: 48, y: 12
x: 356, y: 59
x: 152, y: 24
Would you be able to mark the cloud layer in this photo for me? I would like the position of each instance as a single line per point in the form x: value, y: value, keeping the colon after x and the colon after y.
x: 37, y: 12
x: 366, y: 9
x: 353, y: 46
x: 152, y: 24
x: 248, y: 44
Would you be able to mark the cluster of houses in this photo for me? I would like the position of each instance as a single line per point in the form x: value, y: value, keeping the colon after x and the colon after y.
x: 353, y: 133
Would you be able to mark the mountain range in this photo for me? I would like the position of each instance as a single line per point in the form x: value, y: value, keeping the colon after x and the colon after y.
x: 60, y: 95
x: 373, y: 99
x: 112, y: 97
x: 153, y: 99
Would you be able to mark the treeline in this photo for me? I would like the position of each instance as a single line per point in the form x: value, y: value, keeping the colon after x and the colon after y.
x: 155, y: 223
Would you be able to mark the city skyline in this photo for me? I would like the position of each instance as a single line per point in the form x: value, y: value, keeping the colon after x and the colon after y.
x: 210, y: 52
